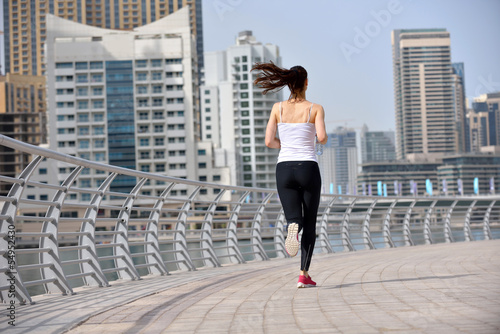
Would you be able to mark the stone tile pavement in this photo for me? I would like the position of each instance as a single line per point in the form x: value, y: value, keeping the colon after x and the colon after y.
x: 445, y: 288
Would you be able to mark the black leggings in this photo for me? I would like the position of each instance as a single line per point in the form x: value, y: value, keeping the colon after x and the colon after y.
x: 299, y: 188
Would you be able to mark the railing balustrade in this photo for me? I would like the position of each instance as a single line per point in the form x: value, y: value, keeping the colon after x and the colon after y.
x: 69, y: 234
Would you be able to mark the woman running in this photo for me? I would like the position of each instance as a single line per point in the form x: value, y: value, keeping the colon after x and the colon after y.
x: 299, y: 123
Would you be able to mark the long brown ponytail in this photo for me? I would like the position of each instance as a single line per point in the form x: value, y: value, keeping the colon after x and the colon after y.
x: 274, y: 78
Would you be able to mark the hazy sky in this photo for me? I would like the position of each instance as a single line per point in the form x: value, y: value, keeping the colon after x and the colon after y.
x: 355, y: 85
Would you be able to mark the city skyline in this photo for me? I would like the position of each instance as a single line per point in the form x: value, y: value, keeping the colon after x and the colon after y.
x: 365, y: 68
x: 344, y: 76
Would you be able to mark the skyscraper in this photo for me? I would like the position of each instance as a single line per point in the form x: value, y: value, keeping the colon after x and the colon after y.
x: 25, y: 29
x: 377, y: 145
x: 460, y: 106
x: 25, y: 25
x: 127, y: 98
x: 483, y: 122
x: 339, y: 162
x: 22, y: 117
x: 235, y: 113
x: 425, y: 105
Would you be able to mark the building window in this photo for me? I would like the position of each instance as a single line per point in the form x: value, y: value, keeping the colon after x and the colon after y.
x: 83, y: 144
x: 216, y: 178
x: 99, y: 157
x: 97, y: 104
x: 84, y: 131
x: 83, y: 117
x: 81, y: 65
x: 141, y: 63
x: 141, y: 76
x: 202, y: 152
x: 160, y: 167
x: 64, y: 65
x: 202, y: 165
x: 99, y: 143
x: 83, y: 105
x: 156, y: 76
x: 94, y: 65
x: 98, y: 130
x: 82, y: 91
x: 98, y: 117
x: 144, y: 142
x: 82, y: 78
x: 96, y: 77
x: 159, y: 141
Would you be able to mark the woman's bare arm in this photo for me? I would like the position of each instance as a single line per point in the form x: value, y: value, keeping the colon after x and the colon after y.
x: 272, y: 124
x: 319, y: 122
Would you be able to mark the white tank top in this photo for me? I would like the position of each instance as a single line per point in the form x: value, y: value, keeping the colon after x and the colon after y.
x: 297, y: 140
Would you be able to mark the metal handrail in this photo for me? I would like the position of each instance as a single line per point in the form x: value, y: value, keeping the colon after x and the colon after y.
x: 235, y: 225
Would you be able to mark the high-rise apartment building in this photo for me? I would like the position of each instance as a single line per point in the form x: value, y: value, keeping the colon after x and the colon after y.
x: 127, y: 98
x: 22, y: 117
x: 483, y: 122
x: 235, y: 113
x: 377, y: 145
x: 25, y: 25
x: 458, y: 80
x: 25, y: 30
x: 339, y: 162
x: 425, y: 104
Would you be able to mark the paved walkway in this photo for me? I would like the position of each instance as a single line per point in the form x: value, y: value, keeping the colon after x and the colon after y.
x: 445, y: 288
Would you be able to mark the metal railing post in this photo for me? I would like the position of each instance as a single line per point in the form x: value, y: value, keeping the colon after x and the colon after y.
x: 256, y: 236
x: 406, y: 225
x: 88, y: 239
x: 427, y: 223
x: 51, y: 226
x: 232, y: 235
x: 152, y: 246
x: 207, y: 243
x: 279, y: 236
x: 467, y: 231
x: 386, y: 227
x: 367, y: 241
x: 8, y: 259
x: 324, y: 241
x: 344, y: 230
x: 486, y: 222
x: 180, y: 246
x: 448, y: 233
x: 124, y: 260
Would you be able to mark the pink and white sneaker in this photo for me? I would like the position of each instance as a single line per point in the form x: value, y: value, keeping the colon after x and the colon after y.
x: 292, y: 239
x: 305, y: 282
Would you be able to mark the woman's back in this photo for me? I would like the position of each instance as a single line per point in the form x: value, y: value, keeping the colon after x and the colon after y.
x: 297, y: 132
x: 297, y: 112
